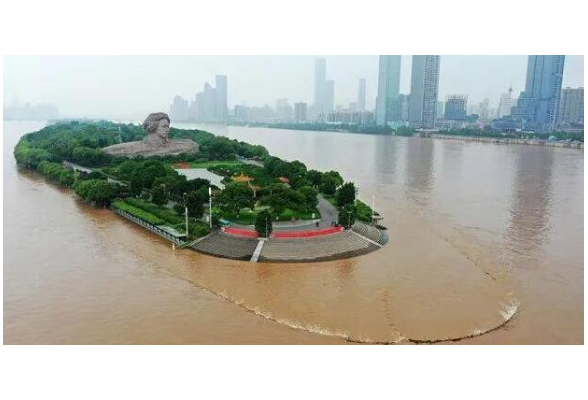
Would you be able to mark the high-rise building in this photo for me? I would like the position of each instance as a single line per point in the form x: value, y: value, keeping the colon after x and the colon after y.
x: 300, y: 112
x: 320, y: 83
x: 388, y: 87
x: 424, y: 88
x: 179, y: 110
x: 284, y: 111
x: 210, y: 105
x: 398, y: 109
x: 506, y: 103
x: 361, y: 95
x: 484, y: 112
x: 440, y: 109
x: 456, y: 107
x: 571, y: 106
x: 324, y: 90
x: 329, y: 102
x: 538, y: 105
x: 221, y: 98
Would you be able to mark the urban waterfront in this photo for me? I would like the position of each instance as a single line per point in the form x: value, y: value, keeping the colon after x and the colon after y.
x: 483, y: 238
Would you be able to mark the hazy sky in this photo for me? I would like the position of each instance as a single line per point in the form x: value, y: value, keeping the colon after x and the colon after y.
x: 133, y: 86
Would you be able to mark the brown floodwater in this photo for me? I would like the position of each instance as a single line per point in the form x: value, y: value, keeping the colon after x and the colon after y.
x: 486, y: 246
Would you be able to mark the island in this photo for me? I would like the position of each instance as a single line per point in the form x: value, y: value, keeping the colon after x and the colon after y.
x: 209, y: 193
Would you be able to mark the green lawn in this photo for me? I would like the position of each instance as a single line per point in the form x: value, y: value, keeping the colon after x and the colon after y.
x: 247, y: 218
x: 155, y: 215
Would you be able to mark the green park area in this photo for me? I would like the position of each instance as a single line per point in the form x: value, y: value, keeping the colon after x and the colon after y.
x: 152, y: 190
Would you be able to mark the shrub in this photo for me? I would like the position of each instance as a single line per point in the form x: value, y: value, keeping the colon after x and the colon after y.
x: 137, y: 212
x: 179, y: 208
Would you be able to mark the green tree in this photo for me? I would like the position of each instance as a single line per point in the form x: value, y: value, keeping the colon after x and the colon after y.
x: 345, y: 194
x: 335, y: 175
x: 263, y: 223
x: 195, y: 202
x: 328, y: 185
x: 179, y: 209
x: 347, y: 215
x: 310, y: 197
x: 159, y: 195
x: 236, y: 196
x: 97, y: 191
x: 315, y: 177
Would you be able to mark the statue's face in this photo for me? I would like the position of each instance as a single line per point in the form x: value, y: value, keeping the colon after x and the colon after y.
x: 162, y: 128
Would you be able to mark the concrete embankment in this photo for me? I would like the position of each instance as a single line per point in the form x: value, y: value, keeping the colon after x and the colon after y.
x: 534, y: 142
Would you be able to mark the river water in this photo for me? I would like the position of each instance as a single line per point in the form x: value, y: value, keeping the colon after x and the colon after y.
x: 486, y: 246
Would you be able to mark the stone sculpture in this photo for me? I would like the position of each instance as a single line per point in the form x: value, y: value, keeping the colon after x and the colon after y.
x: 156, y: 143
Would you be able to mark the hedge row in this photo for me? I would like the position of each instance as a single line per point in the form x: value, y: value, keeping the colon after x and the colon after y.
x: 137, y: 212
x: 169, y: 216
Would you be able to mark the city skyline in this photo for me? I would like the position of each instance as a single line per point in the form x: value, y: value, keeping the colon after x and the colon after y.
x: 343, y: 72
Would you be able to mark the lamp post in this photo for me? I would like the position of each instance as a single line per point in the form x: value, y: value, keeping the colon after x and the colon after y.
x: 266, y: 232
x: 373, y: 206
x: 349, y: 219
x: 210, y: 206
x: 186, y: 212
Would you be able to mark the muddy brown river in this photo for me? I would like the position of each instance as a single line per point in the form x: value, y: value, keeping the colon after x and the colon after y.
x: 486, y: 246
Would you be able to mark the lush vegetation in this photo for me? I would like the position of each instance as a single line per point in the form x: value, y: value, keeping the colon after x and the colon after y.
x: 152, y: 190
x: 137, y: 212
x: 156, y: 215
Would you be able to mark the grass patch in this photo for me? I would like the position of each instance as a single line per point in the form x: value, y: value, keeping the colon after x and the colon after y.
x: 137, y: 212
x: 364, y: 212
x: 169, y: 216
x: 247, y: 218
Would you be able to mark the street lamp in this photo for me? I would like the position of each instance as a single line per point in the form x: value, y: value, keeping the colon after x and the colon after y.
x: 186, y: 212
x: 210, y: 206
x: 349, y: 218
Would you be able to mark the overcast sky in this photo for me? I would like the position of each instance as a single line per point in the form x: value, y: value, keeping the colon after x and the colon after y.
x: 132, y: 86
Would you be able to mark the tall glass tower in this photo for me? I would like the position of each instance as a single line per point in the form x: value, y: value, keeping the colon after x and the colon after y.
x: 538, y: 104
x: 388, y: 87
x: 424, y: 88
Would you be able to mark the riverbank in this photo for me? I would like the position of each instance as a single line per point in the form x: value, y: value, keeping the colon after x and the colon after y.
x: 533, y: 142
x: 386, y: 131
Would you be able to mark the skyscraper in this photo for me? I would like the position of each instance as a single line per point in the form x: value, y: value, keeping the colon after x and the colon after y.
x: 329, y: 99
x: 484, y: 112
x: 456, y: 107
x: 440, y: 109
x: 320, y: 83
x: 179, y: 109
x: 221, y: 98
x: 300, y: 112
x: 571, y: 108
x: 361, y: 95
x: 388, y: 87
x: 284, y: 110
x: 424, y: 88
x: 398, y: 111
x: 539, y: 103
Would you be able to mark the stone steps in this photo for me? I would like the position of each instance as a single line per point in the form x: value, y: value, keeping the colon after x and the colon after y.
x: 229, y: 246
x: 331, y: 247
x: 371, y: 232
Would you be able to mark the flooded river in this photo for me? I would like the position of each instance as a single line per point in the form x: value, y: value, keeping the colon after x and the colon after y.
x: 486, y: 246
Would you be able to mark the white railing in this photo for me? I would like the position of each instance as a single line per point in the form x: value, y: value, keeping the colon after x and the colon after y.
x: 152, y: 228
